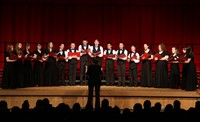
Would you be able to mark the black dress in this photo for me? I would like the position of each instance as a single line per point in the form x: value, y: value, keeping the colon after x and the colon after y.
x: 38, y: 69
x: 50, y: 78
x: 189, y: 76
x: 146, y: 73
x: 28, y: 71
x: 161, y: 72
x: 19, y: 70
x: 8, y: 80
x: 174, y: 72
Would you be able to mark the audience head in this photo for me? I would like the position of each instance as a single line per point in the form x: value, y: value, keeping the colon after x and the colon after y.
x: 25, y: 105
x: 76, y: 107
x: 177, y: 104
x: 168, y: 108
x: 137, y: 107
x: 105, y: 103
x: 147, y: 104
x: 197, y: 105
x: 158, y: 107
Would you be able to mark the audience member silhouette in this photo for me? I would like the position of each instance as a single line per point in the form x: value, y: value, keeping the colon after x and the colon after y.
x: 137, y: 107
x: 147, y: 106
x: 157, y: 107
x: 76, y: 108
x: 168, y: 108
x: 25, y: 106
x: 4, y: 107
x: 177, y: 106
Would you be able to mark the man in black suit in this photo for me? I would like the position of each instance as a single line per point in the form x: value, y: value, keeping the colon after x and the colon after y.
x: 94, y: 81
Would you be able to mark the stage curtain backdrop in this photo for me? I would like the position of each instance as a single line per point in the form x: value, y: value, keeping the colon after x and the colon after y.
x: 175, y: 23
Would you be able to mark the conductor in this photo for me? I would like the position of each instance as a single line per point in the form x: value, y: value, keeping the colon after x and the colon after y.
x: 94, y: 81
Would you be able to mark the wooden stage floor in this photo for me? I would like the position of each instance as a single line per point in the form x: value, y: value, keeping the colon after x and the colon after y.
x: 124, y: 97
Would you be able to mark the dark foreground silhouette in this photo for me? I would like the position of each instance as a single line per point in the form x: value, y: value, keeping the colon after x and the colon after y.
x: 45, y: 112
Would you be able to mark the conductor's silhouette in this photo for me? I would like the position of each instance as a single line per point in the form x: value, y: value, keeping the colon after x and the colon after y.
x: 94, y: 81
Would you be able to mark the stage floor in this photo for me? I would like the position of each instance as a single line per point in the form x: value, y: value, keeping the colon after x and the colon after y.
x: 124, y: 97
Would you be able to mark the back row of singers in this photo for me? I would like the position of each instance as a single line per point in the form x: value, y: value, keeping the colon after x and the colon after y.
x: 54, y: 62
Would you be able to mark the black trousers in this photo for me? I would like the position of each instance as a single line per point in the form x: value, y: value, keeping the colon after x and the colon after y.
x: 109, y: 72
x: 98, y: 60
x: 133, y: 77
x: 83, y: 64
x: 61, y: 72
x: 72, y: 73
x: 97, y: 95
x: 121, y: 72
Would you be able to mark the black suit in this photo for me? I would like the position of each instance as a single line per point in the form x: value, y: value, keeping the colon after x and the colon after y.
x: 94, y: 81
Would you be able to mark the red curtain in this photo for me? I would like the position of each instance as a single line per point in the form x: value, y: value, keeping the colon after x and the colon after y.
x: 132, y: 22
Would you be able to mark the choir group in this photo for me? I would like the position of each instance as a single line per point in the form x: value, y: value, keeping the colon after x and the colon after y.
x: 47, y: 67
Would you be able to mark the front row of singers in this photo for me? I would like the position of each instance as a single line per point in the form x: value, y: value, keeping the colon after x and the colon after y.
x: 47, y: 67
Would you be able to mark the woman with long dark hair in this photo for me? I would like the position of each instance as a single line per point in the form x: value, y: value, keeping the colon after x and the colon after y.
x: 189, y: 76
x: 161, y: 71
x: 8, y: 80
x: 51, y: 78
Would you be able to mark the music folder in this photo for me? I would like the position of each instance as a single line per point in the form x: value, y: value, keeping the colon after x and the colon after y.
x: 145, y: 56
x: 133, y: 57
x: 96, y: 54
x: 121, y: 56
x: 73, y: 54
x: 109, y: 56
x: 157, y: 56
